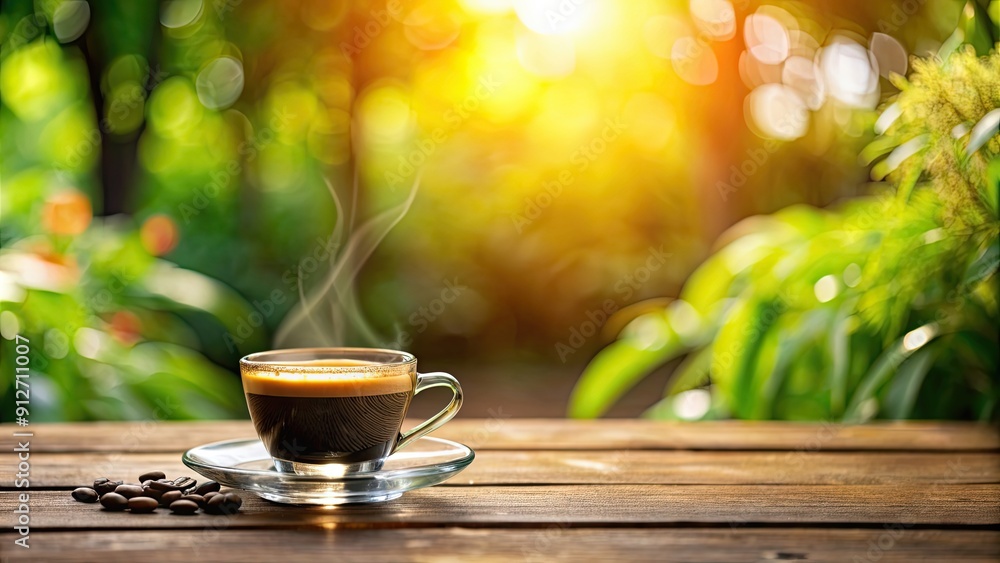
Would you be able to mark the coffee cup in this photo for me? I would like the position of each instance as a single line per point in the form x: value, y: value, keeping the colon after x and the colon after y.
x: 337, y: 411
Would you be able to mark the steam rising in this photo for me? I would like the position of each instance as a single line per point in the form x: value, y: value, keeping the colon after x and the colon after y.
x: 330, y: 314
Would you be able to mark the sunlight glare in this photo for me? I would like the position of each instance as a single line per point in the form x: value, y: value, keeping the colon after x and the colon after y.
x: 555, y: 17
x: 801, y: 74
x: 694, y: 63
x: 660, y: 32
x: 889, y: 53
x: 693, y: 404
x: 547, y: 56
x: 776, y: 111
x: 918, y: 337
x: 848, y: 73
x: 716, y: 18
x: 492, y: 7
x: 826, y: 288
x: 766, y: 39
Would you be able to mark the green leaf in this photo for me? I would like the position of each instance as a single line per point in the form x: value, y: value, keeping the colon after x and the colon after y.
x: 977, y: 26
x: 978, y: 347
x: 985, y: 265
x: 908, y: 182
x: 713, y: 281
x: 951, y: 44
x: 691, y: 373
x: 617, y: 368
x: 736, y: 349
x: 881, y: 146
x: 793, y: 341
x: 167, y: 397
x: 898, y: 156
x: 174, y: 289
x: 661, y: 410
x: 987, y: 128
x: 905, y: 386
x: 707, y: 285
x: 992, y: 186
x: 889, y: 115
x: 189, y: 370
x: 883, y: 368
x: 805, y: 219
x: 840, y: 349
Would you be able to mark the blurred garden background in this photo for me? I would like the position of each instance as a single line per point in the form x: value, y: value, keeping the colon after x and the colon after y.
x: 708, y: 208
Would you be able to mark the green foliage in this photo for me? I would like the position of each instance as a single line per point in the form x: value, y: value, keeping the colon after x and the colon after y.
x: 886, y: 306
x: 114, y: 332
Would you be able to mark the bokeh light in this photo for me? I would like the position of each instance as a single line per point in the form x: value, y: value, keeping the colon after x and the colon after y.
x: 158, y: 234
x: 220, y: 83
x: 558, y: 144
x: 66, y: 213
x: 766, y: 39
x: 179, y: 13
x: 850, y: 73
x: 716, y: 18
x: 70, y: 19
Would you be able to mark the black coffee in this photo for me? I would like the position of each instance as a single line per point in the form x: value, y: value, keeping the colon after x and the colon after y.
x: 344, y: 416
x: 328, y: 429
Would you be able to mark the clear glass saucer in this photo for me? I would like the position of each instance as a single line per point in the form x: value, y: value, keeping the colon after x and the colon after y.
x: 245, y: 464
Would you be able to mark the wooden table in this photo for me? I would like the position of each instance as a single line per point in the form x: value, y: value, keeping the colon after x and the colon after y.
x: 546, y: 489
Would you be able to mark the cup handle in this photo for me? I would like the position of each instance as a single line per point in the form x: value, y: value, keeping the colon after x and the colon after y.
x: 426, y: 381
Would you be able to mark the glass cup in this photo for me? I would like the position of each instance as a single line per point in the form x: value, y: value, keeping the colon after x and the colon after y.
x: 336, y: 411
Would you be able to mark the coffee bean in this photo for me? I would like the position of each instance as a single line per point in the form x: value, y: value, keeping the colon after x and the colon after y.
x: 208, y: 496
x: 215, y: 504
x: 104, y: 485
x: 114, y: 502
x: 183, y: 507
x: 197, y: 499
x: 226, y: 503
x: 208, y: 487
x: 170, y: 496
x: 85, y: 494
x: 234, y: 501
x: 152, y: 476
x: 185, y: 484
x: 142, y: 504
x: 152, y: 493
x: 178, y: 484
x: 129, y: 491
x: 162, y: 485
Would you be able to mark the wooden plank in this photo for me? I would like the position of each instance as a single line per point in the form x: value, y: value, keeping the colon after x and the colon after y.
x: 491, y: 467
x: 502, y: 433
x: 504, y: 545
x: 571, y: 505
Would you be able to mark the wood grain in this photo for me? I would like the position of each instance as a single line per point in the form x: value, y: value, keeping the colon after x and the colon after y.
x: 558, y: 544
x: 503, y: 433
x: 491, y: 467
x: 571, y: 505
x: 557, y: 490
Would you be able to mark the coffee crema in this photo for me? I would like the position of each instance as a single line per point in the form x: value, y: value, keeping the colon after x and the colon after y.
x: 286, y: 381
x: 339, y: 416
